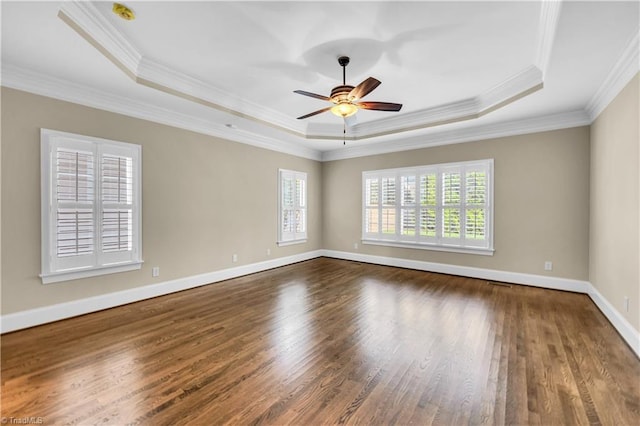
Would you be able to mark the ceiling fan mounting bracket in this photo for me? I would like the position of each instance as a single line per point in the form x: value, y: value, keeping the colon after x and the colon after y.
x: 343, y: 61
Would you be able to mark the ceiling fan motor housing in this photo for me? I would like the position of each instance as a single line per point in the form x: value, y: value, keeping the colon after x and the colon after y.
x: 341, y: 94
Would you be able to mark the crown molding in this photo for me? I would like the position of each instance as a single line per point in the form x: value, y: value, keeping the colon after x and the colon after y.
x: 515, y: 87
x: 549, y: 17
x: 29, y: 81
x: 429, y: 117
x: 158, y: 76
x: 40, y: 84
x: 87, y: 21
x: 468, y: 134
x: 627, y: 66
x: 84, y: 18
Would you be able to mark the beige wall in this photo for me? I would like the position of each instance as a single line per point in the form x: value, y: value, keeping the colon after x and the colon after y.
x: 615, y: 202
x: 192, y: 224
x: 541, y: 202
x: 204, y: 199
x: 0, y: 200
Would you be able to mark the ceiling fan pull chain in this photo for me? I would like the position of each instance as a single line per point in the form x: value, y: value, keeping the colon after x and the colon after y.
x: 344, y: 132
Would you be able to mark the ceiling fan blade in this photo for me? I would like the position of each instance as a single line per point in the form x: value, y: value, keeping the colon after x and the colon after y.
x: 313, y: 95
x: 364, y: 88
x: 311, y: 114
x: 379, y: 106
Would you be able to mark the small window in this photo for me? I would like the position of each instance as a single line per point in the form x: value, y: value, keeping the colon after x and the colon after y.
x: 440, y: 207
x: 292, y: 222
x: 91, y: 211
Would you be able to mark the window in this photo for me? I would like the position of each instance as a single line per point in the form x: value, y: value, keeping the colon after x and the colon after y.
x: 91, y: 210
x: 292, y: 226
x: 441, y: 207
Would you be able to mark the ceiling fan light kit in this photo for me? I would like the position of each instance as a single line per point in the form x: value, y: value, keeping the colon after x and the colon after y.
x: 345, y: 97
x: 344, y: 109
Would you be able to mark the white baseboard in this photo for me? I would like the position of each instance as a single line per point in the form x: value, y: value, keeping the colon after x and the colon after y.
x: 45, y: 314
x: 619, y: 322
x: 38, y: 316
x: 555, y: 283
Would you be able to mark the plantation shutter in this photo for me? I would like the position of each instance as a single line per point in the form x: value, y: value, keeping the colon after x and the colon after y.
x: 428, y: 206
x: 74, y: 189
x: 287, y: 210
x: 388, y: 206
x: 408, y: 206
x: 451, y: 204
x: 442, y: 207
x: 300, y: 206
x: 116, y: 179
x: 476, y: 206
x: 90, y: 206
x: 372, y: 206
x: 293, y: 206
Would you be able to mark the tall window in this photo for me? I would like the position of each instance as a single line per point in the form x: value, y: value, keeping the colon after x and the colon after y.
x: 91, y: 211
x: 292, y: 226
x: 441, y: 207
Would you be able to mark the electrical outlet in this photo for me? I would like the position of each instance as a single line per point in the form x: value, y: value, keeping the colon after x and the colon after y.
x: 548, y: 265
x: 155, y: 271
x: 234, y: 258
x: 626, y: 304
x: 355, y: 246
x: 268, y: 252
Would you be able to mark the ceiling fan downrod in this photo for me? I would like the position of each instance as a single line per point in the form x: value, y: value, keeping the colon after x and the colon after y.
x: 344, y: 61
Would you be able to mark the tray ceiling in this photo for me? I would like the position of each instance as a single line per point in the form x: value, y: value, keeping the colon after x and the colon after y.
x: 230, y: 68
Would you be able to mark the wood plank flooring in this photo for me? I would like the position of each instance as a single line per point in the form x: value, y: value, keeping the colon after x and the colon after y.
x: 328, y: 342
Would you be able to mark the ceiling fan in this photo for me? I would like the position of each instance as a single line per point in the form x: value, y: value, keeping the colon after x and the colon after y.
x: 346, y: 98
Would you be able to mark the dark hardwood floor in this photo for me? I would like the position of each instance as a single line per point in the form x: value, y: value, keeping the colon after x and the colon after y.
x: 326, y: 342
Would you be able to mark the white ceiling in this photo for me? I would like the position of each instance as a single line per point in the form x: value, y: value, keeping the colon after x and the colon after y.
x: 230, y: 68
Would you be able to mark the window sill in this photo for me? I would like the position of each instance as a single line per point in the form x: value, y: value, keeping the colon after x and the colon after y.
x: 74, y: 274
x: 424, y: 246
x: 290, y: 243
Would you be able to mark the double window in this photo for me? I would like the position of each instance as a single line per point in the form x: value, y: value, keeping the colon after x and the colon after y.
x: 441, y: 207
x: 91, y: 211
x: 292, y: 222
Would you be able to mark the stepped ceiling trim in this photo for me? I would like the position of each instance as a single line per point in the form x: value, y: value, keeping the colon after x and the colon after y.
x: 622, y: 72
x: 549, y: 16
x: 89, y: 23
x: 86, y: 20
x: 470, y: 134
x: 29, y: 81
x: 33, y: 82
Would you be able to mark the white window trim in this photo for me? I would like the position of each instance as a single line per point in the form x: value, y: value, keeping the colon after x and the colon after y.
x: 49, y: 139
x: 299, y: 238
x: 441, y: 244
x: 434, y: 247
x: 291, y: 243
